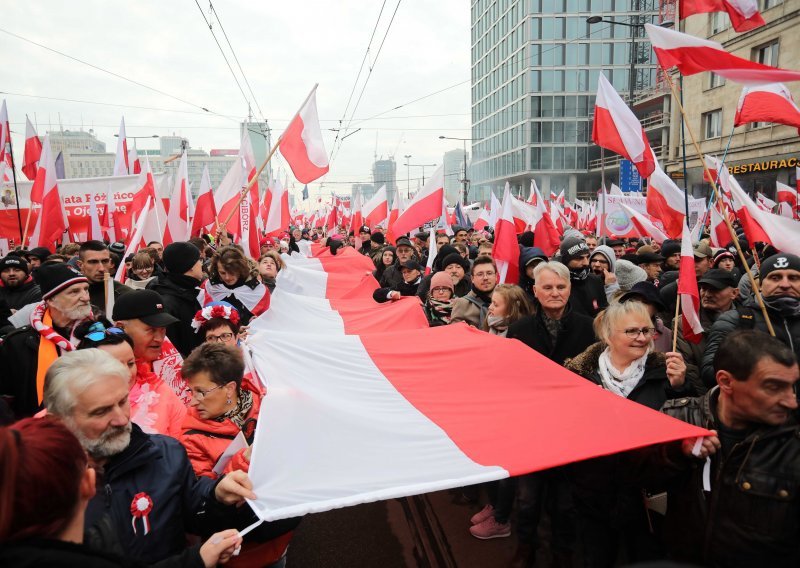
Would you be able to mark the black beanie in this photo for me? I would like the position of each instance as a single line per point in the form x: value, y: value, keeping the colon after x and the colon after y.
x: 781, y: 261
x: 54, y: 278
x: 180, y: 257
x: 378, y: 238
x: 13, y: 261
x: 455, y: 258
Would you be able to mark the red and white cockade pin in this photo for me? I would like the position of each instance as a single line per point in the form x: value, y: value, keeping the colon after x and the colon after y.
x: 141, y: 506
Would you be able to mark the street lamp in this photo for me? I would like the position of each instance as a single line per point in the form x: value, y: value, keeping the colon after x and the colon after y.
x: 464, y: 181
x: 423, y: 166
x: 635, y: 27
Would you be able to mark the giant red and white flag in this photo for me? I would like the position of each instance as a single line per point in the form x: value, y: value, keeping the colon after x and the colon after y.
x: 616, y: 128
x: 302, y: 145
x: 205, y: 212
x: 767, y: 103
x: 762, y: 226
x: 694, y: 55
x: 744, y: 14
x: 666, y: 202
x: 178, y: 222
x: 376, y: 210
x: 401, y: 435
x: 51, y: 224
x: 688, y: 292
x: 33, y: 151
x: 644, y: 225
x: 121, y: 167
x: 506, y: 248
x: 426, y: 205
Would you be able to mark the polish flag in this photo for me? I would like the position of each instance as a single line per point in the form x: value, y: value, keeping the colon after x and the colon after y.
x: 694, y: 55
x: 425, y: 206
x: 248, y: 208
x: 764, y: 202
x: 357, y: 218
x: 483, y: 220
x: 278, y: 215
x: 376, y: 210
x: 405, y: 436
x: 763, y: 226
x: 205, y: 213
x: 51, y: 224
x: 786, y: 194
x: 720, y: 236
x: 553, y: 197
x: 494, y: 209
x: 644, y: 226
x: 545, y: 233
x: 111, y: 218
x: 178, y: 222
x: 121, y: 160
x: 785, y: 210
x: 744, y: 14
x: 135, y: 238
x: 5, y: 134
x: 226, y: 196
x: 506, y: 247
x: 532, y: 199
x: 33, y: 151
x: 666, y: 202
x: 616, y: 128
x: 133, y: 161
x: 688, y: 292
x: 767, y: 103
x: 302, y: 145
x: 153, y: 228
x: 397, y: 208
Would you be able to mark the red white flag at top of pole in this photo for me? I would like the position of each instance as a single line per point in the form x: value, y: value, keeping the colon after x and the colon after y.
x: 33, y: 151
x: 694, y: 55
x: 52, y: 220
x: 688, y: 292
x: 767, y: 103
x: 744, y: 14
x: 666, y: 202
x: 5, y: 133
x: 506, y: 247
x: 302, y: 145
x: 121, y: 160
x: 616, y: 128
x: 205, y: 213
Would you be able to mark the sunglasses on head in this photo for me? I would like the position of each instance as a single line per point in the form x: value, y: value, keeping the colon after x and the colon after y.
x: 98, y: 332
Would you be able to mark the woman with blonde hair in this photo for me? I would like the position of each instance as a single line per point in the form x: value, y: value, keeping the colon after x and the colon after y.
x: 234, y: 280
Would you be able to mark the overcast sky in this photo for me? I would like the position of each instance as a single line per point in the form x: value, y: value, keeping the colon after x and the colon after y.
x: 283, y: 48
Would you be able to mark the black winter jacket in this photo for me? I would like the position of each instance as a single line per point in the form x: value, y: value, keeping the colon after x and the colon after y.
x: 787, y: 329
x: 575, y: 336
x: 157, y: 466
x: 97, y: 293
x: 751, y: 517
x: 588, y: 296
x: 26, y: 293
x: 180, y: 300
x: 19, y: 361
x: 380, y: 295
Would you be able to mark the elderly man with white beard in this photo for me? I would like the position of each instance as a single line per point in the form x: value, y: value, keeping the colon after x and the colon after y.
x: 148, y: 496
x: 27, y: 352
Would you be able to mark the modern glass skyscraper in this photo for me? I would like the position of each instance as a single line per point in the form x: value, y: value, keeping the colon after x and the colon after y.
x: 535, y: 68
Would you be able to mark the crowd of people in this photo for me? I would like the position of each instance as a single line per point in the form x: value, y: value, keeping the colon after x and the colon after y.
x: 126, y: 420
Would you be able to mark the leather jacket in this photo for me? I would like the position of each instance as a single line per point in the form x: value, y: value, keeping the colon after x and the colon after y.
x: 751, y: 516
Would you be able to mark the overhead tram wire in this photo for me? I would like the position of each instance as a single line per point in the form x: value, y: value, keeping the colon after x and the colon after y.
x: 225, y: 57
x: 366, y: 81
x: 235, y: 58
x: 117, y: 75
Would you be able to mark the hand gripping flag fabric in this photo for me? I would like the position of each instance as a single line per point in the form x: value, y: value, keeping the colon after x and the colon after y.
x: 348, y: 420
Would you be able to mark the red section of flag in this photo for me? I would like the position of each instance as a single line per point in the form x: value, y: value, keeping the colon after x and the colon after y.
x: 666, y: 202
x: 33, y: 152
x: 744, y: 14
x: 688, y: 292
x: 767, y: 103
x: 426, y: 206
x: 302, y: 145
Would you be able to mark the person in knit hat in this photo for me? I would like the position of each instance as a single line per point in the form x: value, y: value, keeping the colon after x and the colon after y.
x: 602, y: 263
x: 588, y: 291
x: 178, y: 287
x: 439, y: 303
x: 26, y: 353
x: 17, y: 287
x: 628, y: 274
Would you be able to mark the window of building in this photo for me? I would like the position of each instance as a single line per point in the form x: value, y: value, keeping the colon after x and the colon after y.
x: 712, y: 124
x: 715, y: 80
x: 767, y: 54
x: 719, y: 22
x: 767, y: 4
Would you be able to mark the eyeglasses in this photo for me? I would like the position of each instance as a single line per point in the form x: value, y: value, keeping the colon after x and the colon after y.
x: 221, y: 338
x: 98, y: 332
x: 633, y: 332
x: 489, y: 274
x: 440, y: 289
x: 201, y: 394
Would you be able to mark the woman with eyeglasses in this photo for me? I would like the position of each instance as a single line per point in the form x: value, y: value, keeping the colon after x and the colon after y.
x: 610, y: 509
x: 439, y: 303
x: 218, y: 322
x: 223, y: 406
x: 155, y: 407
x: 142, y: 271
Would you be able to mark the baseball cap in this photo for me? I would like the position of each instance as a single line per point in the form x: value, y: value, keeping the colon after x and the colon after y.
x: 403, y: 242
x: 645, y: 292
x: 719, y: 279
x: 702, y: 250
x: 145, y: 305
x: 411, y: 265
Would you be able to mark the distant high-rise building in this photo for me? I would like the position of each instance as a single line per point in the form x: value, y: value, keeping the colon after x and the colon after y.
x: 172, y: 145
x: 384, y: 172
x: 454, y: 161
x: 75, y: 141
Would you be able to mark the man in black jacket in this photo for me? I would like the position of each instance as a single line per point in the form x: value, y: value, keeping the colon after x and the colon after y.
x: 588, y: 295
x: 148, y: 494
x: 179, y: 287
x: 732, y: 496
x: 17, y: 287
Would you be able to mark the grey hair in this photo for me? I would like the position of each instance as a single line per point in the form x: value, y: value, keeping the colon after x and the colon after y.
x: 558, y: 268
x: 73, y: 373
x: 607, y: 320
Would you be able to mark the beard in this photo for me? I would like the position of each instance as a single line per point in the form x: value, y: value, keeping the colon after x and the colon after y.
x: 110, y: 443
x: 74, y: 313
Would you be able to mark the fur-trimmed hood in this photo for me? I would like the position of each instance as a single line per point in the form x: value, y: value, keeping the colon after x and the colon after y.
x: 586, y: 364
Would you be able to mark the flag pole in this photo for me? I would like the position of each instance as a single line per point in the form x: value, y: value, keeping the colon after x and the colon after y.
x: 734, y: 238
x: 247, y: 187
x: 603, y: 193
x: 675, y: 324
x: 719, y: 171
x: 16, y: 190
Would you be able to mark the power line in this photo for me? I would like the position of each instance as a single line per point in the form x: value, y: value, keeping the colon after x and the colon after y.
x: 117, y: 75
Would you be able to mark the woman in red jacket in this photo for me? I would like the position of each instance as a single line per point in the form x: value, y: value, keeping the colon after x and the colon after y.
x: 222, y: 407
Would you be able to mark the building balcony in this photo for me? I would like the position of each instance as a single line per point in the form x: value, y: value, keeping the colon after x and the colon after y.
x: 613, y: 160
